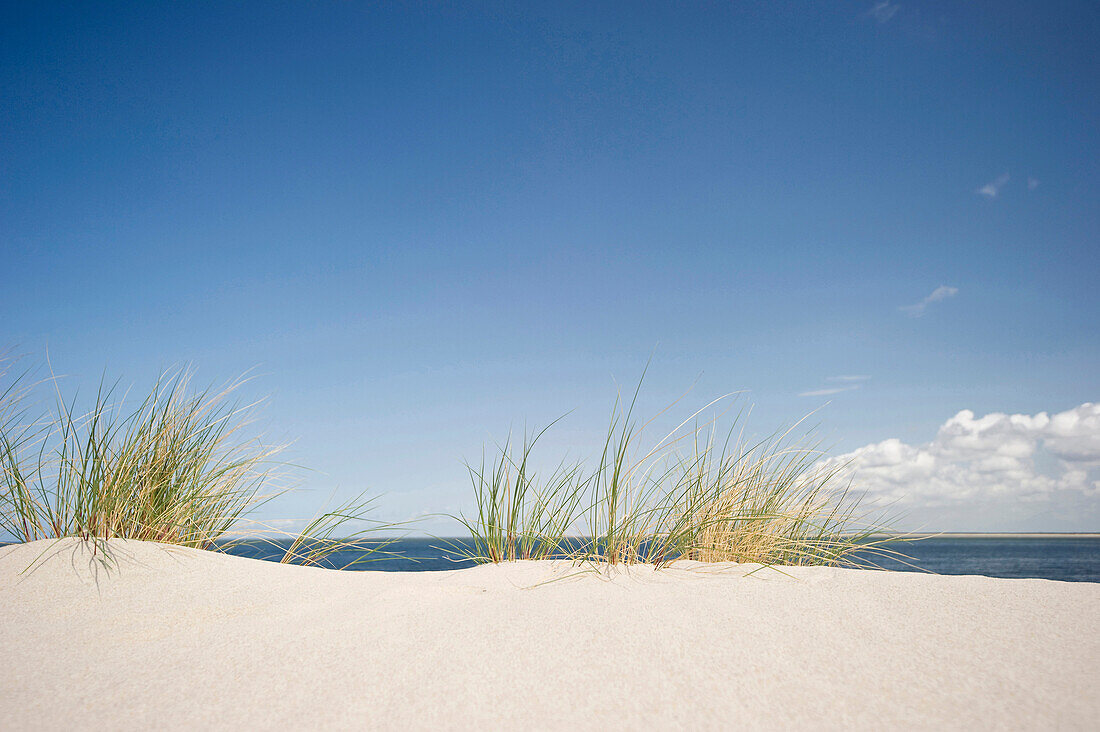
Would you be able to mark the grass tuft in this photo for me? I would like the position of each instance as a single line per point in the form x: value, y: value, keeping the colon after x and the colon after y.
x: 180, y: 467
x: 697, y: 493
x: 520, y: 513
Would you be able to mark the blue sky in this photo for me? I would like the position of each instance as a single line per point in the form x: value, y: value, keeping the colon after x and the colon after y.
x: 428, y: 223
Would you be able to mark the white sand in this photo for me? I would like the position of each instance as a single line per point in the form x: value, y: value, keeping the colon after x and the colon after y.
x: 173, y: 638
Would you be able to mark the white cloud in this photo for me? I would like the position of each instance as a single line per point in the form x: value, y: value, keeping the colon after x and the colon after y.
x: 884, y: 11
x: 1032, y: 183
x: 940, y: 293
x: 851, y: 383
x: 827, y: 392
x: 999, y: 457
x: 993, y: 187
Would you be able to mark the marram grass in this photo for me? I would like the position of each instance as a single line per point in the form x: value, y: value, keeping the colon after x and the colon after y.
x: 178, y: 467
x: 698, y: 493
x: 181, y: 467
x: 522, y: 514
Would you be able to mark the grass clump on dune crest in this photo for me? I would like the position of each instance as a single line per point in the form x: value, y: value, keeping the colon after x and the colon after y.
x: 772, y: 502
x: 520, y: 513
x: 179, y: 468
x: 688, y: 495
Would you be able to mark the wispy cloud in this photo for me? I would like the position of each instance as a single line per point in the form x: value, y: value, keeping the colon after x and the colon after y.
x: 850, y: 382
x: 827, y: 392
x: 993, y: 187
x: 1032, y: 183
x: 940, y: 293
x: 884, y: 11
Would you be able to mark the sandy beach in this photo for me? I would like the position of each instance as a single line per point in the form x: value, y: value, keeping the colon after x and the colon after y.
x: 170, y: 638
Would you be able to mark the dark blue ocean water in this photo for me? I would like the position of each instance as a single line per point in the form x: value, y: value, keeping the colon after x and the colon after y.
x: 1073, y: 559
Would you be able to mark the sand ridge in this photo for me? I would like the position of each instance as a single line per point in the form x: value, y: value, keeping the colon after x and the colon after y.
x: 172, y: 638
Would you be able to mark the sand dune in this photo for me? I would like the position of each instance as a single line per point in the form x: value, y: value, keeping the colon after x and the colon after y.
x: 171, y: 638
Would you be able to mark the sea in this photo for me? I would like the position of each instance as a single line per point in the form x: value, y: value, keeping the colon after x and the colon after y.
x: 1062, y: 558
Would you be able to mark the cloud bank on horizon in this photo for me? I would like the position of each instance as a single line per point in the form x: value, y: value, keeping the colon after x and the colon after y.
x: 997, y: 458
